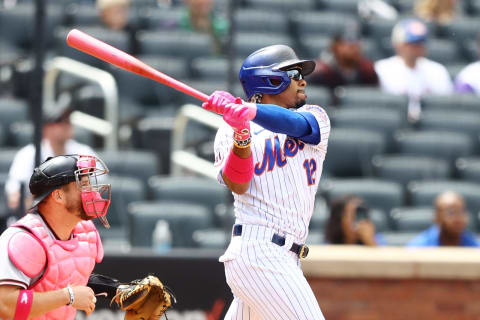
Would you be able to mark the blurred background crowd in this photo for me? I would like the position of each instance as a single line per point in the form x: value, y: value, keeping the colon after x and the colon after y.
x: 400, y: 80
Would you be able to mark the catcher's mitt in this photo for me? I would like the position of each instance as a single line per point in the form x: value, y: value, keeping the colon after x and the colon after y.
x: 145, y: 299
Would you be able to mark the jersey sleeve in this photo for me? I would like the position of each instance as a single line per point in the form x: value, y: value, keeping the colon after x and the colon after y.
x: 9, y: 273
x: 222, y: 146
x: 323, y: 123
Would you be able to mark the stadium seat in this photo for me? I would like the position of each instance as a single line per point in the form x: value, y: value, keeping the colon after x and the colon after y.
x: 160, y: 19
x: 6, y: 158
x: 212, y: 238
x: 183, y: 219
x: 21, y: 134
x: 281, y: 5
x: 3, y: 201
x: 423, y: 193
x: 124, y: 191
x: 383, y: 121
x: 373, y: 98
x: 453, y: 121
x: 319, y: 96
x: 398, y: 239
x: 468, y: 169
x: 405, y: 168
x: 17, y: 25
x: 253, y: 20
x: 214, y: 68
x: 3, y: 135
x: 81, y: 15
x: 465, y: 28
x: 456, y: 101
x: 444, y: 51
x: 196, y: 190
x: 309, y: 23
x: 410, y: 219
x: 207, y: 86
x: 12, y: 110
x: 246, y: 43
x: 131, y: 163
x: 350, y: 152
x: 434, y: 143
x: 378, y: 194
x: 344, y: 6
x: 181, y: 44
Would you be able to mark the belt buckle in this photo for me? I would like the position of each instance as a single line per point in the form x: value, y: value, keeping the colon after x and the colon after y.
x: 303, y: 252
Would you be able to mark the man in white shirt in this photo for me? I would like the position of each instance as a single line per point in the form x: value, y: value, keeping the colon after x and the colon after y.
x: 57, y: 140
x: 409, y: 72
x: 468, y: 80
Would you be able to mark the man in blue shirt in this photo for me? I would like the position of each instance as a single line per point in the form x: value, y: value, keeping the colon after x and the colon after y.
x: 451, y: 220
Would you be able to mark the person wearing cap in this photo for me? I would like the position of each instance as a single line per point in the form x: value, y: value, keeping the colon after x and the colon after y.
x: 468, y: 79
x: 344, y: 63
x: 57, y: 139
x: 409, y: 72
x: 47, y: 257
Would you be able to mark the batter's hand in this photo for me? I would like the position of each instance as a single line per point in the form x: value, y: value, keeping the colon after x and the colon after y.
x: 237, y: 116
x: 85, y: 299
x: 218, y: 100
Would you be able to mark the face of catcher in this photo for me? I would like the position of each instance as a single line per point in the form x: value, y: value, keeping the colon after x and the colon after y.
x: 293, y: 96
x: 73, y: 200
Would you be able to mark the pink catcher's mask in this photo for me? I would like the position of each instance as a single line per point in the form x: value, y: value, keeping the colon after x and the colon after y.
x: 95, y: 197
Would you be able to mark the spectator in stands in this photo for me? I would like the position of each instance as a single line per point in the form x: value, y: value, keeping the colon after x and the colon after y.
x: 349, y: 223
x: 451, y: 220
x: 468, y: 80
x: 115, y: 15
x: 200, y: 16
x: 343, y: 63
x: 409, y: 72
x: 436, y: 11
x: 57, y: 140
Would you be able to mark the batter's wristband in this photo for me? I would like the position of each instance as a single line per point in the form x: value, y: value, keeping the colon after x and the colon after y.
x: 24, y: 305
x: 238, y: 170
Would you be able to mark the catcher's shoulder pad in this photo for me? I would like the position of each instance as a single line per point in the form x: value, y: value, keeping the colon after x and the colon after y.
x: 27, y: 253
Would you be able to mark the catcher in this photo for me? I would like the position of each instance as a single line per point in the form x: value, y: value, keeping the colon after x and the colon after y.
x: 47, y: 257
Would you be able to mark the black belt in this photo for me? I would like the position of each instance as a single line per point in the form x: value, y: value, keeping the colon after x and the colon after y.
x: 300, y: 249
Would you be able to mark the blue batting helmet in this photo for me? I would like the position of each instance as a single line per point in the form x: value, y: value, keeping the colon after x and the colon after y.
x: 271, y: 63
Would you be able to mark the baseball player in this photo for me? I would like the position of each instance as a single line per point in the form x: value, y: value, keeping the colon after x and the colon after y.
x: 270, y: 154
x: 46, y: 257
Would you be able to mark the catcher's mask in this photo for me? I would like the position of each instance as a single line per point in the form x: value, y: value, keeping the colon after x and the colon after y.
x: 271, y: 63
x: 84, y: 170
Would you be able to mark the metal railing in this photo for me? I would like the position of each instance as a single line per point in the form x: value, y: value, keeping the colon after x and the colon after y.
x: 182, y: 159
x: 108, y: 127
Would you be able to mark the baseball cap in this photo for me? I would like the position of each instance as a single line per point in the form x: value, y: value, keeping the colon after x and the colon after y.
x: 50, y: 175
x: 409, y: 31
x: 60, y: 110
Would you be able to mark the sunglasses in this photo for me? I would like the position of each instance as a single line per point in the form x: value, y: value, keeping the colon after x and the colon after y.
x: 295, y: 74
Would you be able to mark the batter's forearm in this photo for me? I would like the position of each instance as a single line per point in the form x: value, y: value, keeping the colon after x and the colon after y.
x: 238, y: 188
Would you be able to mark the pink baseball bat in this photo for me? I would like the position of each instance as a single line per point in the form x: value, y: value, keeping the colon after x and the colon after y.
x: 94, y: 47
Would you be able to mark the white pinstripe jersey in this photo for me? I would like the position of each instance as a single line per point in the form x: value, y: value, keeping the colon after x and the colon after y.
x: 285, y: 180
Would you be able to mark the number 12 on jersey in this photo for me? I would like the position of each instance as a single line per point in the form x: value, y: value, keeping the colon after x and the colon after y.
x: 310, y: 166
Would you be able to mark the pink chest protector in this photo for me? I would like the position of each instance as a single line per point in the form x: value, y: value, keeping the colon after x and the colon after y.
x: 65, y: 262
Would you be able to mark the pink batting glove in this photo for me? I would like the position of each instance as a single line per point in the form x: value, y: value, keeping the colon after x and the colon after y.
x: 237, y: 115
x: 218, y: 100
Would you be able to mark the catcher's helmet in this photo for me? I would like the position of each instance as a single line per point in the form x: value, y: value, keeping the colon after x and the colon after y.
x: 61, y: 170
x: 270, y: 63
x: 50, y: 175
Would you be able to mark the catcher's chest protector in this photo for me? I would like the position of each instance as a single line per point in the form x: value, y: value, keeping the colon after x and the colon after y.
x: 68, y: 262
